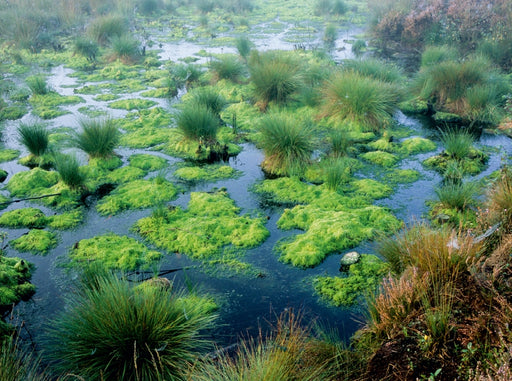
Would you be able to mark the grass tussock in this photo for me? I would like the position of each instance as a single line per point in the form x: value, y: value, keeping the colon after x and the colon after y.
x: 35, y: 137
x: 104, y: 28
x: 68, y: 168
x: 125, y: 48
x: 133, y: 333
x: 287, y: 144
x: 228, y: 67
x: 98, y: 138
x: 198, y: 122
x: 366, y: 102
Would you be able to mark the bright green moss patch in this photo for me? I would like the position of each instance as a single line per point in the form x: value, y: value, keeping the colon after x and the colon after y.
x: 363, y: 277
x: 15, y: 274
x: 32, y: 183
x: 206, y: 173
x: 472, y: 164
x: 113, y: 252
x: 329, y: 231
x: 371, y: 188
x: 147, y: 137
x: 154, y: 117
x: 287, y: 190
x: 132, y: 104
x: 107, y: 164
x: 439, y: 214
x: 31, y: 161
x: 446, y: 117
x: 35, y: 242
x: 8, y: 155
x: 383, y: 144
x: 68, y: 220
x: 12, y: 112
x: 414, y: 106
x: 53, y: 99
x: 401, y: 176
x: 25, y: 217
x: 384, y: 159
x: 211, y: 222
x: 147, y: 162
x: 137, y: 194
x: 125, y: 174
x: 241, y: 115
x: 417, y: 145
x: 48, y: 112
x: 3, y: 175
x: 106, y: 97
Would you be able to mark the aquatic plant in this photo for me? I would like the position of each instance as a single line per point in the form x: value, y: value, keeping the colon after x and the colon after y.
x: 18, y: 363
x: 113, y: 252
x: 358, y: 47
x: 197, y: 122
x: 287, y: 144
x: 134, y: 334
x: 35, y: 137
x: 14, y: 282
x: 68, y: 168
x: 457, y: 195
x: 86, y: 48
x: 206, y: 173
x: 32, y: 183
x: 208, y: 97
x: 98, y: 137
x: 38, y: 84
x: 381, y: 158
x: 243, y: 46
x: 337, y: 172
x: 8, y: 154
x: 23, y: 217
x: 35, y: 241
x: 125, y: 48
x: 275, y: 76
x: 362, y: 277
x: 366, y: 102
x: 283, y: 355
x: 210, y: 222
x: 457, y: 143
x: 104, y: 28
x: 330, y: 34
x: 147, y: 162
x: 227, y: 67
x: 376, y: 69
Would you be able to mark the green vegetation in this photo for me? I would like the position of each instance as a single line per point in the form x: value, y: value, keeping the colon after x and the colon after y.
x: 15, y: 274
x: 86, y: 48
x: 275, y: 76
x: 103, y: 28
x: 38, y: 85
x: 366, y: 102
x: 17, y: 362
x: 198, y: 122
x: 8, y: 155
x: 35, y: 241
x: 25, y: 217
x: 98, y: 138
x: 136, y: 195
x: 363, y: 277
x: 125, y: 48
x: 206, y: 173
x: 147, y: 162
x: 34, y: 137
x: 287, y: 143
x: 211, y: 222
x: 135, y: 334
x: 68, y: 168
x: 228, y: 67
x: 381, y: 158
x: 113, y: 252
x: 132, y: 104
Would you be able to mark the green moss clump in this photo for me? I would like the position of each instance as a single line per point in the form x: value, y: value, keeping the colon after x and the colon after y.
x: 401, y: 176
x: 414, y: 106
x: 68, y: 220
x: 440, y: 215
x: 211, y: 222
x: 32, y: 161
x: 8, y: 155
x: 371, y: 188
x: 329, y: 231
x: 147, y: 137
x: 48, y: 112
x: 384, y: 159
x: 107, y: 164
x: 383, y: 144
x: 12, y: 112
x: 287, y: 190
x: 32, y: 183
x: 147, y: 162
x: 15, y: 274
x: 446, y: 117
x: 36, y: 242
x: 106, y: 97
x: 3, y: 202
x: 3, y: 175
x: 137, y: 194
x: 125, y: 174
x: 363, y: 277
x: 472, y: 164
x: 113, y: 252
x: 132, y: 104
x: 207, y: 173
x: 53, y: 99
x: 417, y: 145
x: 25, y: 217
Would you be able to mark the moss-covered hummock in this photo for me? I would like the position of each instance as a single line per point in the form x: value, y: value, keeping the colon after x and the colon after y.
x: 25, y: 217
x: 15, y: 274
x: 417, y: 145
x: 381, y: 158
x: 472, y: 164
x: 36, y: 242
x: 8, y: 155
x: 32, y: 183
x: 206, y: 173
x: 132, y: 104
x: 137, y: 194
x: 363, y: 277
x: 211, y: 222
x: 67, y: 220
x: 147, y: 162
x: 114, y: 252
